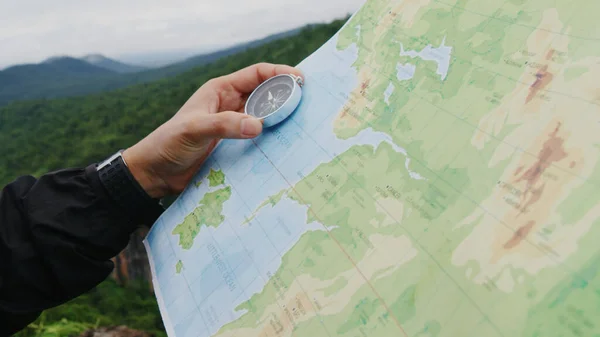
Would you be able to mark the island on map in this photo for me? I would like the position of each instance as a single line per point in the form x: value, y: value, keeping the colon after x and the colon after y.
x: 216, y: 178
x: 272, y: 201
x: 208, y: 213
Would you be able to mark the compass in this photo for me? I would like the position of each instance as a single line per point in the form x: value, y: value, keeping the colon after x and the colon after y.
x: 275, y: 99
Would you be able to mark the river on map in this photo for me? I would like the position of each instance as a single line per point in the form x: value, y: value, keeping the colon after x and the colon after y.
x: 226, y: 266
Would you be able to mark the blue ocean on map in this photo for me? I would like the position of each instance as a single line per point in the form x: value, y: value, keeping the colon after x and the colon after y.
x: 227, y: 265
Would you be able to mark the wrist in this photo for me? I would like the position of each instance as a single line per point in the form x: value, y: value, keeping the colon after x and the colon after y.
x: 124, y: 189
x: 141, y: 171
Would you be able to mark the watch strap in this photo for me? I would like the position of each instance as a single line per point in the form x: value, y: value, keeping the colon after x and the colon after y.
x: 124, y: 189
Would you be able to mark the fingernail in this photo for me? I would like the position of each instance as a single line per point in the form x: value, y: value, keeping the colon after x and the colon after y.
x: 251, y: 127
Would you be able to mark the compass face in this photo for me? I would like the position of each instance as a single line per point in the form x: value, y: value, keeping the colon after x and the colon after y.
x: 270, y: 96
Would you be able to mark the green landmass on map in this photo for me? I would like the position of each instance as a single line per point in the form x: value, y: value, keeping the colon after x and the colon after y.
x: 216, y: 178
x: 178, y: 267
x: 198, y: 183
x: 571, y: 307
x: 272, y: 200
x: 208, y: 213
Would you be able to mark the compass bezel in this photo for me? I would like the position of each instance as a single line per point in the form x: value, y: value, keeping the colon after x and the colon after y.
x: 285, y: 109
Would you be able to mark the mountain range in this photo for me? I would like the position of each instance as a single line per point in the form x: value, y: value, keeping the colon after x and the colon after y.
x: 64, y: 76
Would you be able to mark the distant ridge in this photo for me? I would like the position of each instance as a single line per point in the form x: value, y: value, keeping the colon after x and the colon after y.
x: 110, y: 64
x: 200, y: 60
x: 29, y: 81
x: 65, y: 64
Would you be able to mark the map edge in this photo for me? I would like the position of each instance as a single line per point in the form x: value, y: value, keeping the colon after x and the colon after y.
x: 158, y: 293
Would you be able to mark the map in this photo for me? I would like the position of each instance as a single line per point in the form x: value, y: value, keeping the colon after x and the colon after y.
x: 441, y: 177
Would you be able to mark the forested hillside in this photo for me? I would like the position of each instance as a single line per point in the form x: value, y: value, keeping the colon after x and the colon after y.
x: 44, y: 135
x: 32, y: 80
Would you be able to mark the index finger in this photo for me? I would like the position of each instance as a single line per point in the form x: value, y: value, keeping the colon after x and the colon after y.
x: 247, y: 79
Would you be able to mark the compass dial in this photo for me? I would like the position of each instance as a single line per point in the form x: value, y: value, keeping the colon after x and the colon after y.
x: 270, y: 96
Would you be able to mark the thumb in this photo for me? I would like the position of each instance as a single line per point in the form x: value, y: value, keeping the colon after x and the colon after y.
x: 228, y: 124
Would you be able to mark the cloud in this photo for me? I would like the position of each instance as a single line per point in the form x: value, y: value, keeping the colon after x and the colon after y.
x: 33, y: 30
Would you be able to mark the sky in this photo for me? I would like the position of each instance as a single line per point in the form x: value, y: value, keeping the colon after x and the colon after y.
x: 33, y: 30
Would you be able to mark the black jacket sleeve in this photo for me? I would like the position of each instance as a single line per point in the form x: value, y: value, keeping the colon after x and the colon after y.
x: 57, y: 236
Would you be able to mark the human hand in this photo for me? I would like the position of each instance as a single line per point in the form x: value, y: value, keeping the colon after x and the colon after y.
x: 166, y: 160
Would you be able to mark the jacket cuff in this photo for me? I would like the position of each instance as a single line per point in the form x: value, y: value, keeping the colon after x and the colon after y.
x: 143, y: 211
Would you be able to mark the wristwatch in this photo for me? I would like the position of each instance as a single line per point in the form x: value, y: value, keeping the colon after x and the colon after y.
x: 123, y: 188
